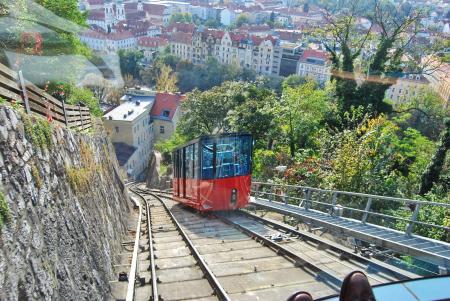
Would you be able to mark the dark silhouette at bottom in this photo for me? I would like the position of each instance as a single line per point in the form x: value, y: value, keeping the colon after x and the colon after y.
x: 355, y: 287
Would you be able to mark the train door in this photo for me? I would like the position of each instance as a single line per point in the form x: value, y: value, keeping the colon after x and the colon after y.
x: 206, y: 172
x: 183, y: 172
x: 189, y: 153
x: 177, y: 172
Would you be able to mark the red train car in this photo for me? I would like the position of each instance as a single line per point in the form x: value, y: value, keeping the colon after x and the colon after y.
x: 214, y: 172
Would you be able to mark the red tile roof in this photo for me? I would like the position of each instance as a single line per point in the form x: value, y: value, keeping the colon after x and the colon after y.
x: 311, y: 53
x: 258, y: 40
x: 165, y: 101
x: 181, y: 37
x: 123, y: 35
x: 93, y: 34
x: 183, y: 27
x: 255, y: 28
x: 152, y: 42
x: 218, y: 34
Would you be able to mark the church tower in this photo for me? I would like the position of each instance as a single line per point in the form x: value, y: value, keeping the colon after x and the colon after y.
x: 109, y: 15
x: 120, y: 10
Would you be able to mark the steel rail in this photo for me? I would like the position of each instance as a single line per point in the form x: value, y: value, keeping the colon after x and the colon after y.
x: 133, y: 268
x: 213, y: 281
x: 155, y: 296
x: 402, y: 275
x: 328, y: 277
x: 335, y: 281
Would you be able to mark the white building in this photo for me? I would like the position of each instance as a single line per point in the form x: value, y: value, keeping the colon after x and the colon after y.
x: 131, y: 131
x: 229, y: 16
x: 94, y: 40
x: 316, y: 65
x: 121, y: 40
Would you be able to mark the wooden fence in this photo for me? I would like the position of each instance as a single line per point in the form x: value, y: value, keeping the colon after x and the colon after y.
x: 15, y: 88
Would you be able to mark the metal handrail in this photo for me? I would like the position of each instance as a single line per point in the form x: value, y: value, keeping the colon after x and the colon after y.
x: 374, y: 196
x: 308, y: 200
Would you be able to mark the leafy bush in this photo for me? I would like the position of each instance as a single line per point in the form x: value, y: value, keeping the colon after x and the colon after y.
x: 39, y: 132
x: 5, y: 215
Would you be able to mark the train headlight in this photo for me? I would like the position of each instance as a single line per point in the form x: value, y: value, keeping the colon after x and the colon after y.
x: 233, y: 196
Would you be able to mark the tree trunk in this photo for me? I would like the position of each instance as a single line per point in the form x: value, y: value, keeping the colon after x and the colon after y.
x: 433, y: 171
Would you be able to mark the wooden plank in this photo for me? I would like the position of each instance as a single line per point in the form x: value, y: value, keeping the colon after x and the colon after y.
x: 42, y: 93
x: 39, y: 107
x: 9, y: 84
x: 77, y: 118
x: 10, y: 95
x: 8, y: 72
x: 77, y: 113
x: 44, y: 102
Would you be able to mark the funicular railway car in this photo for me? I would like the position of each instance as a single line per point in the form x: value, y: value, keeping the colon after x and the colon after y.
x: 214, y: 172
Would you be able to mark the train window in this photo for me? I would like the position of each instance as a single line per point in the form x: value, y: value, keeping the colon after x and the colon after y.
x: 207, y: 159
x: 195, y: 161
x: 188, y: 161
x: 233, y: 156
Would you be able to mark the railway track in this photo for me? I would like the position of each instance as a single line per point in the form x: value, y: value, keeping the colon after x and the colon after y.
x: 252, y: 257
x: 170, y: 267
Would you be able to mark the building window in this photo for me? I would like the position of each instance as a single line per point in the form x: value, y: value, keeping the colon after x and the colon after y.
x: 161, y: 129
x: 117, y: 129
x: 166, y: 113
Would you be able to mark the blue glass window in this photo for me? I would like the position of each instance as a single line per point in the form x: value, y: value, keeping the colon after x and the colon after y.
x: 226, y: 157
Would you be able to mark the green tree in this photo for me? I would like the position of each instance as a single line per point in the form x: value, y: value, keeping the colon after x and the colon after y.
x: 206, y: 112
x: 129, y: 62
x: 180, y: 17
x: 434, y: 169
x: 303, y: 111
x: 167, y: 80
x: 426, y: 112
x: 256, y: 113
x: 242, y: 19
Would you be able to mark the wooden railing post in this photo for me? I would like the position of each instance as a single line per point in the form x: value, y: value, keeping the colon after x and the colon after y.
x: 81, y: 116
x: 65, y: 113
x: 24, y: 92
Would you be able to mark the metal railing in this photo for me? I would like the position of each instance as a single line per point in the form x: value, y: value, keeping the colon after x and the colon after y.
x: 365, y: 208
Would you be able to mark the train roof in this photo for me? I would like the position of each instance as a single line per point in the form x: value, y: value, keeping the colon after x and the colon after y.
x: 211, y: 136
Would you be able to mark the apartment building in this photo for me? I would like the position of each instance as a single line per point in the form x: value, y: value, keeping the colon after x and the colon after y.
x: 407, y: 86
x: 316, y: 65
x: 111, y: 42
x: 262, y: 54
x: 181, y: 45
x: 131, y: 131
x: 440, y: 82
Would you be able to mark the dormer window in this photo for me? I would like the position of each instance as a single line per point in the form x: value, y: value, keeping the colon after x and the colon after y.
x: 166, y: 113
